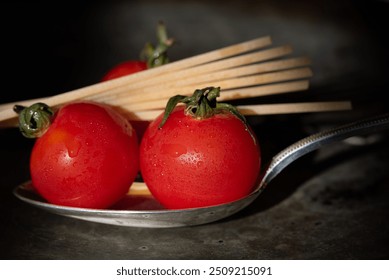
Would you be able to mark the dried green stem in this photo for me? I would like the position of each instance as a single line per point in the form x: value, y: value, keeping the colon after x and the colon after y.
x: 34, y: 120
x: 203, y: 104
x: 157, y: 56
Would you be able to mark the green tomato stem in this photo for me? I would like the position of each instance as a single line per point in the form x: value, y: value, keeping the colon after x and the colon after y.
x: 34, y: 120
x: 157, y: 56
x: 202, y: 105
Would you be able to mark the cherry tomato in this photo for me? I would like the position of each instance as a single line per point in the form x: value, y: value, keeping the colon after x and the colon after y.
x: 88, y: 157
x: 125, y: 68
x: 151, y: 56
x: 194, y: 162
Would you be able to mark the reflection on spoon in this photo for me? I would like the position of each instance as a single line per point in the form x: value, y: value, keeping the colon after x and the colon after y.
x: 146, y: 212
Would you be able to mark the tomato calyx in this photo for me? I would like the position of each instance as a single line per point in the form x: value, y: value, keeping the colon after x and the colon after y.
x: 202, y: 105
x: 157, y: 55
x: 34, y: 120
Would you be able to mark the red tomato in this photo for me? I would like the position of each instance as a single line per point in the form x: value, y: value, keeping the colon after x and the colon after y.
x: 88, y: 157
x: 193, y: 163
x: 125, y: 68
x: 151, y: 56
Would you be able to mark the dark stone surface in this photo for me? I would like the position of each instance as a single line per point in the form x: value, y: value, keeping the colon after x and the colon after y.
x: 321, y: 207
x: 331, y: 204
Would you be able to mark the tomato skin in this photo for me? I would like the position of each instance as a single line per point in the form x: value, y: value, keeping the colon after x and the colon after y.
x: 87, y: 158
x: 125, y: 68
x: 150, y: 56
x: 194, y: 163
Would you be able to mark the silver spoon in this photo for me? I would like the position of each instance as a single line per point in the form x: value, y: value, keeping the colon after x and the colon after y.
x: 161, y: 218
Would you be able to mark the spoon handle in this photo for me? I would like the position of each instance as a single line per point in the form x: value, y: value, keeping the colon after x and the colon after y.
x: 318, y: 140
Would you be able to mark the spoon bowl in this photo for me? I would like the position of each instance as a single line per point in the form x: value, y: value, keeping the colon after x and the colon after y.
x: 153, y: 216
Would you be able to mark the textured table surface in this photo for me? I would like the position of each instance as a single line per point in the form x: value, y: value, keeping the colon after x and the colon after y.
x: 331, y: 204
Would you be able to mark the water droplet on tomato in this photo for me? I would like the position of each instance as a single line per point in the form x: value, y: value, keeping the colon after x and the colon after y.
x: 73, y: 148
x: 87, y: 142
x: 191, y: 158
x: 173, y: 150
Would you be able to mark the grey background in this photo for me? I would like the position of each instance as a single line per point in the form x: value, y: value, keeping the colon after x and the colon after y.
x: 332, y: 204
